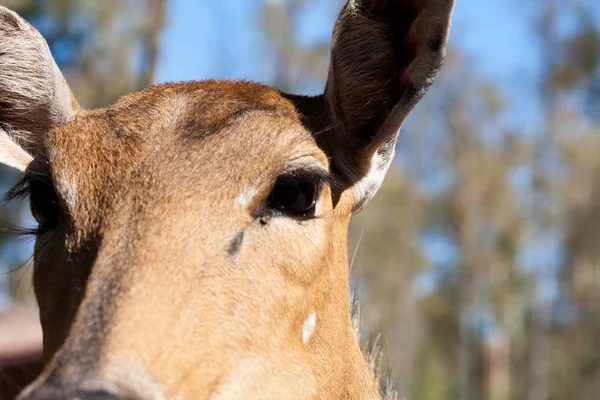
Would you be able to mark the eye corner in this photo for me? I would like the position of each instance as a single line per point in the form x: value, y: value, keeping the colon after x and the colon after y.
x: 295, y: 193
x: 44, y: 202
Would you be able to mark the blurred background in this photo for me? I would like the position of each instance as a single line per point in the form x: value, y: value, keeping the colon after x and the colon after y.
x: 478, y: 263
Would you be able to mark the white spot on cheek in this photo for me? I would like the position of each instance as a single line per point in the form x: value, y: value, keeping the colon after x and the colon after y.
x: 309, y: 327
x: 245, y: 199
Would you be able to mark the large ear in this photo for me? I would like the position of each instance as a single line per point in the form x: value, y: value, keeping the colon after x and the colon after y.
x: 384, y: 56
x: 34, y: 96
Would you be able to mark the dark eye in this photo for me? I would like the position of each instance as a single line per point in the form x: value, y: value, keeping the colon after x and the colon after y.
x: 294, y: 197
x: 43, y: 204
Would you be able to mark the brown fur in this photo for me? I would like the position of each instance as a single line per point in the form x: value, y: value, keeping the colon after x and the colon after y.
x: 166, y: 276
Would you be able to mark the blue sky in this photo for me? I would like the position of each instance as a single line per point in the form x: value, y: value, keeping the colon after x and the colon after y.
x: 208, y: 39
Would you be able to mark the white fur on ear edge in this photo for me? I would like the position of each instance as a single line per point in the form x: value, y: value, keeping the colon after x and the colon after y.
x: 12, y: 154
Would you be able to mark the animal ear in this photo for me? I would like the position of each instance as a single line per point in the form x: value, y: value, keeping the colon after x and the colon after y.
x: 384, y: 56
x: 34, y: 96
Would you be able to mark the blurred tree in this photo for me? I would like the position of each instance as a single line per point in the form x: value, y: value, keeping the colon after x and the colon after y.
x: 105, y: 48
x: 571, y: 98
x: 294, y: 62
x: 472, y: 313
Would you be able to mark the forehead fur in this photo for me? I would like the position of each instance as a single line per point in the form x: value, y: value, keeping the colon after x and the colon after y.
x: 197, y: 107
x: 259, y: 116
x: 176, y: 136
x: 192, y: 110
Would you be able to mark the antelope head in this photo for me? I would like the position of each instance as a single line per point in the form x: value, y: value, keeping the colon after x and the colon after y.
x: 192, y: 239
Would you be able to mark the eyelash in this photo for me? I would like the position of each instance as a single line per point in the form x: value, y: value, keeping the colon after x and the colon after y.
x: 18, y: 192
x: 315, y: 176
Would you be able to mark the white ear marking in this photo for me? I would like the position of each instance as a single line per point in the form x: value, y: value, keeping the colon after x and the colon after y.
x: 352, y: 6
x: 12, y: 154
x: 245, y: 199
x: 309, y: 327
x: 369, y: 184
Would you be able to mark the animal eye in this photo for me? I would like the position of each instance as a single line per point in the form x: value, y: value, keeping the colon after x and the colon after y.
x: 294, y: 197
x: 44, y: 205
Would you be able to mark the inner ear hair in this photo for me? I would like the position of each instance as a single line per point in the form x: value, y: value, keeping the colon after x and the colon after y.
x: 385, y: 55
x: 12, y: 154
x: 34, y: 96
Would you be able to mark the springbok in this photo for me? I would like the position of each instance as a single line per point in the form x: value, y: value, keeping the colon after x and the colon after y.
x: 192, y: 239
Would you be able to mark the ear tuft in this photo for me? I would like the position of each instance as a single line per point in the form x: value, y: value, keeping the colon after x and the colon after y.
x: 34, y: 96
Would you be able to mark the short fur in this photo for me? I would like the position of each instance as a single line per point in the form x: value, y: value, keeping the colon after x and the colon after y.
x: 166, y: 274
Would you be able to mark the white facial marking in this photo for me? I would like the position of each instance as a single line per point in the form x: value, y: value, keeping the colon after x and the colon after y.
x: 309, y: 327
x: 132, y: 381
x: 245, y: 199
x: 68, y: 190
